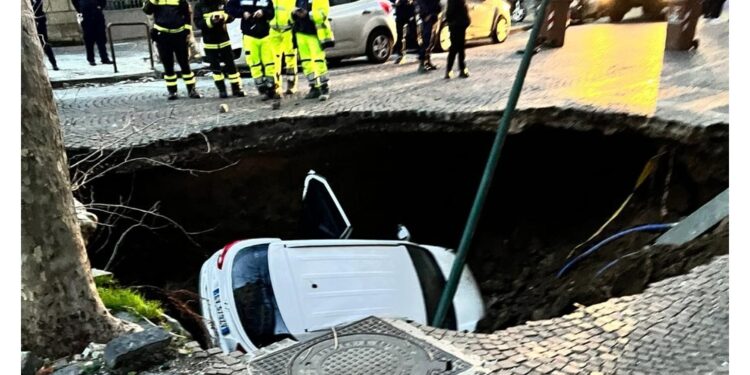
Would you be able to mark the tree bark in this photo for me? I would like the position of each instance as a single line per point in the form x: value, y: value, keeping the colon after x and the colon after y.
x: 60, y: 309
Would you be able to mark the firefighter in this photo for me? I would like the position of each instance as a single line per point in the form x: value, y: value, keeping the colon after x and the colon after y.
x: 172, y: 28
x: 259, y: 53
x: 282, y: 40
x: 313, y: 34
x: 212, y: 20
x: 94, y: 29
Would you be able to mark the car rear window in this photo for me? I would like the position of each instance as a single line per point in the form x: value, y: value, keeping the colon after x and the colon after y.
x: 432, y: 281
x: 254, y: 298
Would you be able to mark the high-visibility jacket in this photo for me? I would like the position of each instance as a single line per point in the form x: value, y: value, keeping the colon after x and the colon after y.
x: 214, y: 35
x: 318, y: 14
x: 254, y: 27
x: 170, y: 16
x: 282, y: 18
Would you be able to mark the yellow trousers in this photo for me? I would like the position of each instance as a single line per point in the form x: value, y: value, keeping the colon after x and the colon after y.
x: 283, y: 45
x: 313, y: 59
x: 259, y: 55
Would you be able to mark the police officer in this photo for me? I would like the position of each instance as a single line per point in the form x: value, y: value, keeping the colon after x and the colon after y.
x: 313, y: 33
x: 282, y: 39
x: 211, y: 18
x: 404, y: 21
x: 172, y: 28
x: 94, y: 32
x: 259, y: 52
x: 41, y: 29
x: 429, y: 10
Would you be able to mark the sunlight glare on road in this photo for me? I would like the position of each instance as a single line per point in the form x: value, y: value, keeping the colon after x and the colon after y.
x: 616, y: 66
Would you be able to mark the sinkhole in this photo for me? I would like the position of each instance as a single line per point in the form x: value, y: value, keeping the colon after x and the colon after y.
x: 554, y: 187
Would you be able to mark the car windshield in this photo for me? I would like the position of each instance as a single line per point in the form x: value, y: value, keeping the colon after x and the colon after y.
x: 254, y: 298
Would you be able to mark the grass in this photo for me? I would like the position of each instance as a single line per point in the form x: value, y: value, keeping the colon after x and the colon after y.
x: 123, y: 299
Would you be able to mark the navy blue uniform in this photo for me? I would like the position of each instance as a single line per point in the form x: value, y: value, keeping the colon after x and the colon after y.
x: 94, y: 28
x: 41, y: 29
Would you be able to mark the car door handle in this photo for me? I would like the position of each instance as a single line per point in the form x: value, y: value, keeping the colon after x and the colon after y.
x: 366, y: 12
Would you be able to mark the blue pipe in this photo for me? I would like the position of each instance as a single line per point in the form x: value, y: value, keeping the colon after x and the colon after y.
x: 640, y: 228
x: 612, y: 263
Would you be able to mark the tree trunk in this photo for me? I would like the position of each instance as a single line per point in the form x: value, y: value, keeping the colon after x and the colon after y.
x: 60, y: 309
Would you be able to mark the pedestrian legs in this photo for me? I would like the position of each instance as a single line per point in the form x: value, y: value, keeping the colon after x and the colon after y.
x: 313, y: 65
x: 253, y: 56
x: 289, y: 53
x: 43, y: 38
x: 400, y: 46
x: 428, y: 42
x: 171, y: 46
x: 166, y: 55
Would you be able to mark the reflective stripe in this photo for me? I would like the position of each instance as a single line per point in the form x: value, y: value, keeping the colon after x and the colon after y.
x: 258, y: 3
x: 172, y: 77
x: 281, y: 28
x: 218, y: 77
x: 171, y: 83
x: 188, y: 81
x: 217, y: 46
x: 173, y: 31
x: 165, y: 2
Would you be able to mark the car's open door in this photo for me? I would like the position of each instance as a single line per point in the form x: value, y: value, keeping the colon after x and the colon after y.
x: 322, y: 215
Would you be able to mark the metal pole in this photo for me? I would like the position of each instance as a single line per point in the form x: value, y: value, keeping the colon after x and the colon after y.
x: 489, y: 171
x: 112, y: 46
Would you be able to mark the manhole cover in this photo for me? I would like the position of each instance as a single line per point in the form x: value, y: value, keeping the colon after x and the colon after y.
x: 367, y: 347
x: 365, y: 354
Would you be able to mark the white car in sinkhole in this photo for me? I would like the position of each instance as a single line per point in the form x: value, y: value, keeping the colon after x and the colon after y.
x: 259, y: 291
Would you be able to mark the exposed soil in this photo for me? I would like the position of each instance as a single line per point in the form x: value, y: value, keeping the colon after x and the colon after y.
x: 554, y: 187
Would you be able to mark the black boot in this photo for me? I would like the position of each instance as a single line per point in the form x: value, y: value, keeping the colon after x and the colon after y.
x: 237, y: 90
x: 172, y: 93
x: 325, y: 93
x: 222, y: 87
x: 192, y: 92
x: 314, y: 93
x: 464, y: 73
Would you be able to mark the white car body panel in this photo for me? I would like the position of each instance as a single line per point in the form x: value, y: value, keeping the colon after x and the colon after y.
x: 366, y: 277
x: 468, y: 301
x: 322, y: 285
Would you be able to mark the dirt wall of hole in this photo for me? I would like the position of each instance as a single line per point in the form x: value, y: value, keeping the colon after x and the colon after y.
x: 553, y: 188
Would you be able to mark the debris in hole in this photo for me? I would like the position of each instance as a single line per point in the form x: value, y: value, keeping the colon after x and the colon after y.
x: 396, y: 278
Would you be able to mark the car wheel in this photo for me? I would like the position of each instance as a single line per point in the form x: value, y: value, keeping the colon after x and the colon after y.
x: 501, y: 30
x: 379, y: 46
x: 444, y: 39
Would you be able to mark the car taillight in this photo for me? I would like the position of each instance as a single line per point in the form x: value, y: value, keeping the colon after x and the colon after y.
x: 220, y: 261
x: 386, y: 6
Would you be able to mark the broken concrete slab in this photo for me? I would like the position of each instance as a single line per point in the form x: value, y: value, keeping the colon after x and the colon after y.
x: 697, y: 223
x: 131, y: 349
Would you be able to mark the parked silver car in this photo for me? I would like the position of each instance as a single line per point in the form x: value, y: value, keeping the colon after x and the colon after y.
x: 360, y: 27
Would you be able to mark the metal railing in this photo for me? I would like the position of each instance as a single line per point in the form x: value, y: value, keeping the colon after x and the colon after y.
x: 112, y: 44
x: 123, y: 4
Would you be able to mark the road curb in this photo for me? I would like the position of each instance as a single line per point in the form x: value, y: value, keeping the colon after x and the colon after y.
x: 105, y: 79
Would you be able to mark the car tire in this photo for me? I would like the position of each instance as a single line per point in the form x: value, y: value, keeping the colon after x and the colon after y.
x: 500, y: 30
x: 444, y: 39
x: 379, y: 46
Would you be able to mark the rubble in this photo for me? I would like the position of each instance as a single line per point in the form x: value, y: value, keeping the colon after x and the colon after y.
x: 137, y: 349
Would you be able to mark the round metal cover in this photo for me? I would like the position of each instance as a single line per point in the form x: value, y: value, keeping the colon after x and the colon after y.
x: 365, y: 354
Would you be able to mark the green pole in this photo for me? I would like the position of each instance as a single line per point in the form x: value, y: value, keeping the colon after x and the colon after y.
x: 489, y: 172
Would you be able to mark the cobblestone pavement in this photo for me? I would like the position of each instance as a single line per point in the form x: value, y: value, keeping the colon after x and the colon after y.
x: 132, y: 59
x: 602, y: 67
x: 678, y: 325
